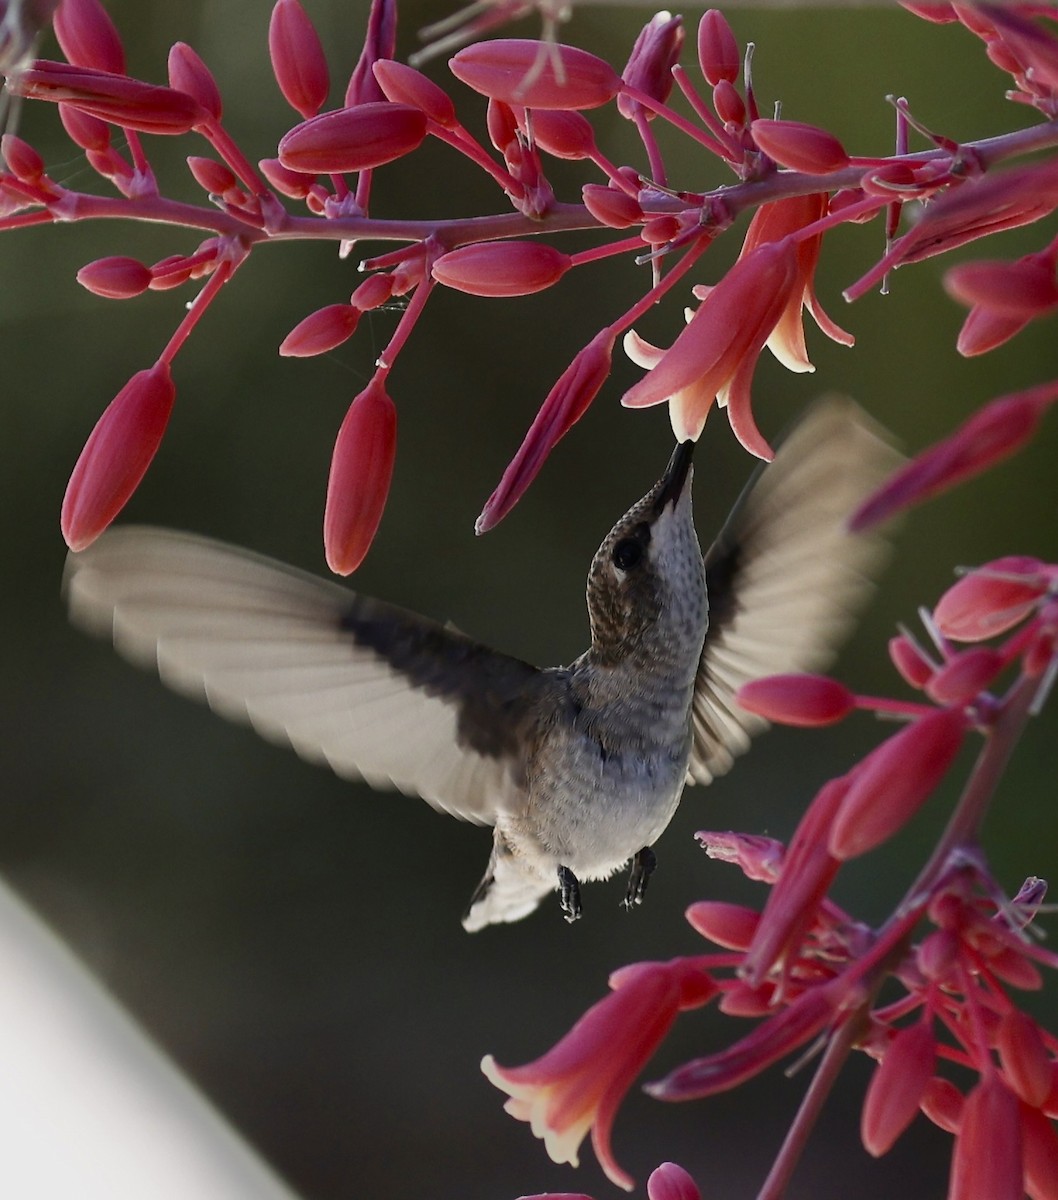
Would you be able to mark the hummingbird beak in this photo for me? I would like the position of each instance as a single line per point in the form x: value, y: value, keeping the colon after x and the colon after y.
x: 675, y: 476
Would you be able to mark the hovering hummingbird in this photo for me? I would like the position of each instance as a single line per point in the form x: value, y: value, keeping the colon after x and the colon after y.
x: 578, y: 768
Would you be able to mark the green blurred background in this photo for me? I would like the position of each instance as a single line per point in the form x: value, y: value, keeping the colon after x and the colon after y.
x: 294, y: 942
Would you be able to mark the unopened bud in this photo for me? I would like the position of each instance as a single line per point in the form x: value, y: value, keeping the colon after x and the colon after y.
x: 805, y: 700
x: 614, y: 208
x: 353, y: 139
x: 501, y: 268
x: 717, y: 49
x: 536, y: 74
x: 298, y: 61
x: 117, y: 455
x: 799, y: 146
x: 88, y: 37
x: 320, y: 331
x: 894, y: 781
x: 188, y: 73
x: 404, y: 85
x: 117, y: 278
x: 361, y: 470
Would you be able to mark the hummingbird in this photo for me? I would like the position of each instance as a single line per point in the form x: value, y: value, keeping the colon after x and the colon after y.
x: 578, y: 768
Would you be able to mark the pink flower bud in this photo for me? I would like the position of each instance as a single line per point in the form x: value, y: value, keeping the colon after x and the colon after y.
x: 894, y: 781
x: 87, y: 132
x: 22, y: 160
x: 1012, y: 967
x: 730, y: 925
x: 748, y: 1002
x: 671, y: 1182
x: 910, y: 661
x: 991, y: 599
x: 566, y: 403
x: 373, y: 292
x: 117, y: 278
x: 717, y: 49
x: 990, y: 435
x: 799, y: 146
x: 361, y: 469
x: 658, y: 231
x: 214, y: 176
x: 353, y: 139
x: 965, y: 676
x: 729, y: 105
x: 404, y: 85
x: 501, y: 124
x: 984, y: 329
x: 1026, y: 1063
x: 649, y: 67
x: 805, y: 700
x: 616, y: 209
x: 897, y: 1087
x: 188, y: 73
x: 563, y: 134
x: 380, y: 41
x: 536, y: 74
x: 294, y: 184
x: 1017, y: 289
x: 501, y: 268
x: 298, y: 61
x: 320, y: 331
x: 1039, y: 1147
x: 987, y: 1156
x: 943, y: 1103
x: 88, y: 37
x: 938, y: 955
x: 116, y: 98
x: 117, y: 455
x: 170, y: 272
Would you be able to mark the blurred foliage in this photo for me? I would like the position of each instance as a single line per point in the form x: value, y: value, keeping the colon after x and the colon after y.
x: 294, y: 942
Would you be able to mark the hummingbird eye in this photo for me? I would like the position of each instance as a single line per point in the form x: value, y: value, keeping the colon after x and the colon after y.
x: 627, y: 553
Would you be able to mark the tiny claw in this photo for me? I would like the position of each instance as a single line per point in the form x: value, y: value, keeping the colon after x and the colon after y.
x: 569, y: 895
x: 643, y: 865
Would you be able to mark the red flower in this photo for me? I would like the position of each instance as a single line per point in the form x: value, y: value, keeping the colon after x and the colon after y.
x: 578, y: 1085
x: 715, y: 356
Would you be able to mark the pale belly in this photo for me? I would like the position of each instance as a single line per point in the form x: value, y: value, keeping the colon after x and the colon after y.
x: 590, y: 811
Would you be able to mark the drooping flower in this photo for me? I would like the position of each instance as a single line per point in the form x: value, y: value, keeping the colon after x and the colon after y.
x: 714, y: 357
x: 578, y: 1085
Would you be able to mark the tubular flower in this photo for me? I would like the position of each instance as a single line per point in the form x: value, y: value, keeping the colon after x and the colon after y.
x: 715, y: 356
x: 579, y: 1083
x: 771, y: 223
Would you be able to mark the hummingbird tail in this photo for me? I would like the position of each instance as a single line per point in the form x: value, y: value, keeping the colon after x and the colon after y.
x: 507, y: 892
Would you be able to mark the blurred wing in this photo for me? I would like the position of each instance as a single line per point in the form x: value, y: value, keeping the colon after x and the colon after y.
x: 785, y: 579
x: 375, y: 692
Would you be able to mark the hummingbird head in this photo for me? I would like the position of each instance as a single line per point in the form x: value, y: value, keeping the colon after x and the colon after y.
x: 646, y: 585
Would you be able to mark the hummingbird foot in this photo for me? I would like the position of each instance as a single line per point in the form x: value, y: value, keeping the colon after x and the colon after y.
x: 569, y: 895
x: 643, y: 864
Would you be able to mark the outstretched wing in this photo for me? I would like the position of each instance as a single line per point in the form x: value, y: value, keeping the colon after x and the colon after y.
x: 374, y: 691
x: 785, y: 578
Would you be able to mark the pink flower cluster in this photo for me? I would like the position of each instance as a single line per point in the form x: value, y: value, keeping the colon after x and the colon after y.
x: 798, y: 179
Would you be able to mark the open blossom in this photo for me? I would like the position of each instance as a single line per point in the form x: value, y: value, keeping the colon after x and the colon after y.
x: 578, y: 1084
x: 714, y: 357
x: 758, y: 302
